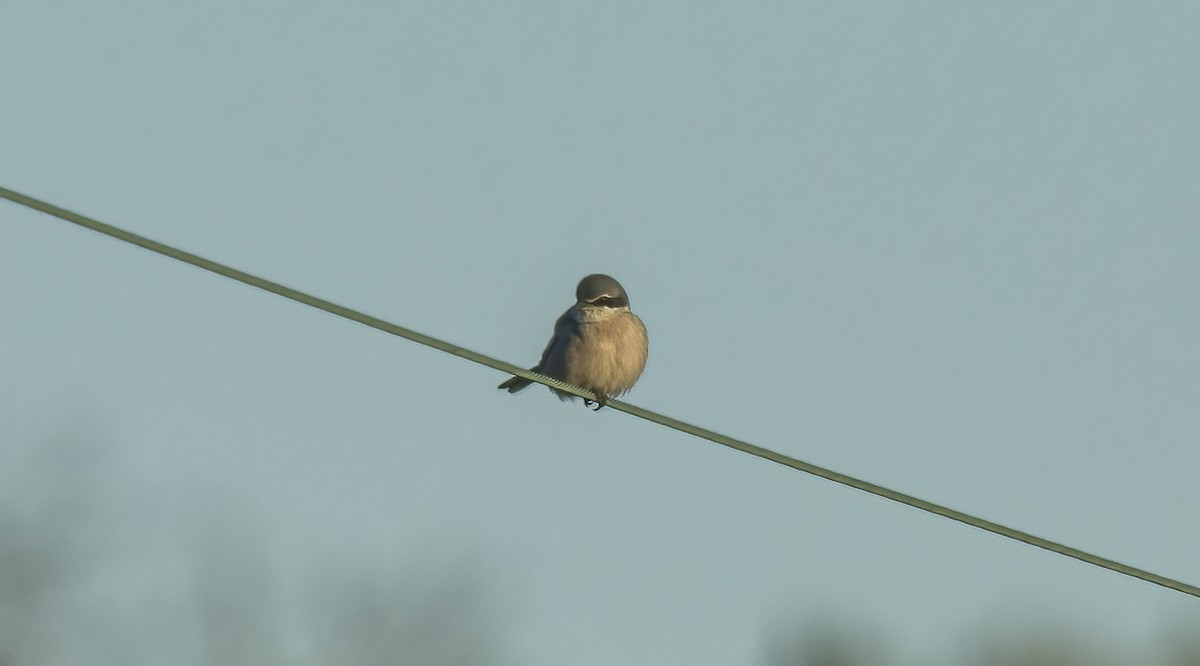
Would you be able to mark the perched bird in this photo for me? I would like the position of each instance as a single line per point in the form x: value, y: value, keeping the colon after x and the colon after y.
x: 598, y: 344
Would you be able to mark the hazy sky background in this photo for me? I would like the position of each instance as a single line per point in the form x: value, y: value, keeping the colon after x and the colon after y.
x: 947, y: 247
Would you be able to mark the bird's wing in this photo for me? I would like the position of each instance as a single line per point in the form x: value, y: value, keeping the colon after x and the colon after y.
x: 565, y: 328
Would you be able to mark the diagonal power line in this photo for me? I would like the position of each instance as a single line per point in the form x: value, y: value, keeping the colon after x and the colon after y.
x: 681, y: 426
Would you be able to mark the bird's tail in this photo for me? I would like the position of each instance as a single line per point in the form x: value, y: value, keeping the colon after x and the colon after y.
x: 515, y: 384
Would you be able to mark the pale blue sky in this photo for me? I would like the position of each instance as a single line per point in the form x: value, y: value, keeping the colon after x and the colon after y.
x: 947, y: 247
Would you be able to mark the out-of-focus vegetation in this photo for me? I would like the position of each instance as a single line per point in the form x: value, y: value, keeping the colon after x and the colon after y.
x: 845, y: 643
x: 209, y: 592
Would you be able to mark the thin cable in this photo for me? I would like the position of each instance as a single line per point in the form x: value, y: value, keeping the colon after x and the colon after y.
x: 745, y: 447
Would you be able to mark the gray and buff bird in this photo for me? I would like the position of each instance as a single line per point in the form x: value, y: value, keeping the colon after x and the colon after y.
x: 598, y: 344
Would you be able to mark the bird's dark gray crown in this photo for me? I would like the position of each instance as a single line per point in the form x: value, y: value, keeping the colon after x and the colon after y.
x: 601, y: 290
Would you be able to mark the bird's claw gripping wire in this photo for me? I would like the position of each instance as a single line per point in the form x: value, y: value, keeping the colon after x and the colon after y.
x: 599, y: 403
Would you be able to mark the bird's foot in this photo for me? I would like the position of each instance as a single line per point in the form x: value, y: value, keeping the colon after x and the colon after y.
x: 599, y: 403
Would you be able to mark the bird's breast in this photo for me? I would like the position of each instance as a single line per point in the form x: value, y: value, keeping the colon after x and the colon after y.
x: 608, y: 354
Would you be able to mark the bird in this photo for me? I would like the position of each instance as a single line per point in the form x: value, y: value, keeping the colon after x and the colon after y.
x: 598, y: 344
